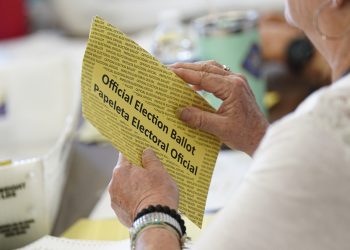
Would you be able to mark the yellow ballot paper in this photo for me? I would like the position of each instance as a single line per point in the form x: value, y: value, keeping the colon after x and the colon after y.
x: 132, y: 99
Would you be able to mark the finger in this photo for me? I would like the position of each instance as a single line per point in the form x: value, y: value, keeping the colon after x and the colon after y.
x: 123, y: 161
x: 206, y: 66
x: 196, y: 87
x: 183, y: 65
x: 202, y: 120
x: 217, y: 84
x: 150, y: 159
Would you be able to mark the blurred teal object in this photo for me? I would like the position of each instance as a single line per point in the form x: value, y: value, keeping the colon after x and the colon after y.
x: 232, y: 39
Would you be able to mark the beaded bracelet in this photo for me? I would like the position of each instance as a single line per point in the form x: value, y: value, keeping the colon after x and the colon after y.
x: 163, y: 209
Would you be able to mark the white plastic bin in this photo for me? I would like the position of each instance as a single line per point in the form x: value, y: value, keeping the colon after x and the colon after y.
x: 40, y: 104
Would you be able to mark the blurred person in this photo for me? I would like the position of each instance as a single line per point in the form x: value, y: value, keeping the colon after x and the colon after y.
x: 296, y: 193
x: 293, y: 67
x: 288, y: 45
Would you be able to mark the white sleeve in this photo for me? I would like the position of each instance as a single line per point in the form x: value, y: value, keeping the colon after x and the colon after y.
x: 296, y: 195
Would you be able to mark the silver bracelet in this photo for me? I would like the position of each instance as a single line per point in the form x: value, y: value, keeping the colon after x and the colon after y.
x: 154, y: 219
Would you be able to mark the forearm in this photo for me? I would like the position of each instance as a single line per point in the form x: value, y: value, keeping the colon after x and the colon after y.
x: 158, y: 239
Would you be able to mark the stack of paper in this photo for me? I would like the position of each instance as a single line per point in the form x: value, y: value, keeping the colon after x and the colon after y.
x: 54, y: 243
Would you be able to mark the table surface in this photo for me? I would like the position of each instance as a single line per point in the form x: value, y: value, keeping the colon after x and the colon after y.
x: 91, y: 168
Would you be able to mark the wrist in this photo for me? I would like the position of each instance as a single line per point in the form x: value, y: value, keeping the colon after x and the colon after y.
x: 157, y: 238
x: 161, y: 217
x: 164, y: 201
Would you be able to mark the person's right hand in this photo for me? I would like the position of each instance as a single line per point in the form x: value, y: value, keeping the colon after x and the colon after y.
x: 238, y: 123
x: 134, y: 188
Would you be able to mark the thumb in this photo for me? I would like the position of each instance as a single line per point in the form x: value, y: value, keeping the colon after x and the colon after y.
x: 150, y: 159
x: 203, y: 120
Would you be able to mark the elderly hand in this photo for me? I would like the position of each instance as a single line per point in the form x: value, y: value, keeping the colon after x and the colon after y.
x: 133, y: 188
x: 238, y: 123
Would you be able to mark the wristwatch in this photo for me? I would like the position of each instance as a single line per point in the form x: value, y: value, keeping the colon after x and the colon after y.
x: 156, y: 219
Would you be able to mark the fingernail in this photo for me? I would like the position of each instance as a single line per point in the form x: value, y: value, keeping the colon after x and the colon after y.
x: 148, y: 151
x: 183, y: 114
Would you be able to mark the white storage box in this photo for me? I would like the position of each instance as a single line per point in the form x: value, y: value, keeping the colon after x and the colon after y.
x: 39, y: 105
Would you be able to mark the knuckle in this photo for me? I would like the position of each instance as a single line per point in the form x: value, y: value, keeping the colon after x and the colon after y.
x: 149, y: 160
x: 199, y: 121
x: 206, y: 67
x: 215, y: 63
x: 238, y: 82
x: 242, y: 77
x: 111, y: 189
x: 200, y: 62
x: 115, y: 171
x: 204, y: 75
x: 177, y: 65
x: 229, y: 88
x: 118, y: 172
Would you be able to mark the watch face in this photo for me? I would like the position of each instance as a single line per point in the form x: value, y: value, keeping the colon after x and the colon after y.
x: 299, y: 53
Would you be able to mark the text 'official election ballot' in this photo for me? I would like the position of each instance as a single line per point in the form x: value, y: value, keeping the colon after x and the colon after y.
x: 132, y: 99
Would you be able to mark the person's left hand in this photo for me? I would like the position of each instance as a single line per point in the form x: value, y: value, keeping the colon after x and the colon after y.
x: 133, y: 188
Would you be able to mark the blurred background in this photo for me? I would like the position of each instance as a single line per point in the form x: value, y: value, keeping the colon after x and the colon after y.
x: 42, y: 44
x: 71, y: 20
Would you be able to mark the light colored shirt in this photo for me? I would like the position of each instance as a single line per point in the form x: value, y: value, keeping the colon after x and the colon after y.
x: 296, y: 196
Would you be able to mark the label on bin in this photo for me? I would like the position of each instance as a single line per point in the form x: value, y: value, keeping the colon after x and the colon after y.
x: 132, y: 99
x: 24, y: 214
x: 11, y: 191
x: 15, y: 229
